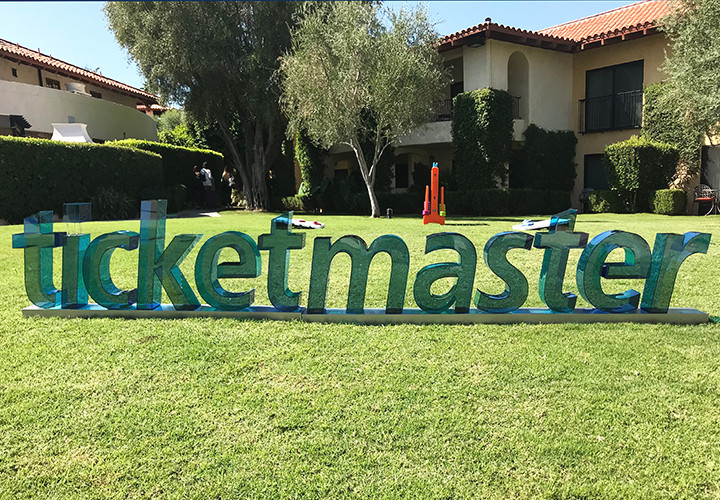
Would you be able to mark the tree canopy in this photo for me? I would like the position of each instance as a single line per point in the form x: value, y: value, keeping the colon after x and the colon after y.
x: 359, y: 72
x: 693, y: 65
x: 218, y: 60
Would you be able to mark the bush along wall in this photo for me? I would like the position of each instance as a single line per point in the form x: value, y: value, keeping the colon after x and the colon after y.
x: 605, y: 200
x: 42, y: 175
x: 545, y: 160
x: 669, y: 202
x: 482, y: 133
x: 482, y: 202
x: 639, y: 166
x: 310, y: 159
x: 177, y: 161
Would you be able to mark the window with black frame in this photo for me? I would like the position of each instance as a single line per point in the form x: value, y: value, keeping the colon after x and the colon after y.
x: 613, y: 98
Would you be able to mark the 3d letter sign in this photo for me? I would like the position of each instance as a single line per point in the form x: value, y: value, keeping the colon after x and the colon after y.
x: 86, y: 274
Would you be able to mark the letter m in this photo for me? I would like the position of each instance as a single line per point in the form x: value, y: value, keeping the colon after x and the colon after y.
x: 361, y: 256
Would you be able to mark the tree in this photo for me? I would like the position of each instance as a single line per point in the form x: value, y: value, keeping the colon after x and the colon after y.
x: 216, y: 59
x: 693, y: 66
x: 359, y: 72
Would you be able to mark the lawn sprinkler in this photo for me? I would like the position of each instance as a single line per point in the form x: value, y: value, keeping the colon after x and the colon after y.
x: 430, y: 209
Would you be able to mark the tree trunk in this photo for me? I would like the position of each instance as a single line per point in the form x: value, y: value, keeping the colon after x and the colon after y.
x: 367, y: 175
x: 240, y: 165
x: 374, y: 205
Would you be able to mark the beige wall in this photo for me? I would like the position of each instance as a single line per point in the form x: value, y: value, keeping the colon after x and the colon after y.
x: 651, y: 49
x: 43, y: 106
x: 550, y: 82
x: 29, y: 75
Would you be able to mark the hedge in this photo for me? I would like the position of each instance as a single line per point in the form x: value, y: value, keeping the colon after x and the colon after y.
x: 669, y: 202
x: 310, y: 159
x: 42, y: 175
x: 546, y: 160
x: 483, y: 202
x: 177, y: 161
x: 639, y: 166
x: 662, y: 201
x: 605, y: 200
x: 482, y: 134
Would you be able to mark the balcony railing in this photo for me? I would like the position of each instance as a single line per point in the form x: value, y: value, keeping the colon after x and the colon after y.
x: 443, y: 111
x: 516, y: 108
x: 615, y: 112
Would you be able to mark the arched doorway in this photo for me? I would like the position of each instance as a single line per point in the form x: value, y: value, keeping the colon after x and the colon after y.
x: 518, y: 84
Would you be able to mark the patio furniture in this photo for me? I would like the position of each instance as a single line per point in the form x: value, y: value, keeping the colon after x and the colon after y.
x: 704, y: 194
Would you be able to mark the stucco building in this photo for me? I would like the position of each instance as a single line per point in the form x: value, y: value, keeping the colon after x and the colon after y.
x: 586, y: 76
x: 45, y: 90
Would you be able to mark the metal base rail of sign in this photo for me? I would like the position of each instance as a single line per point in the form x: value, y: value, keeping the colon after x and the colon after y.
x: 675, y: 315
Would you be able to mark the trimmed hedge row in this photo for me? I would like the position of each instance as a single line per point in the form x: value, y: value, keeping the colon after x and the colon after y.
x: 662, y: 201
x: 39, y: 174
x: 638, y: 167
x: 177, y: 161
x: 482, y: 134
x: 483, y: 202
x: 546, y: 160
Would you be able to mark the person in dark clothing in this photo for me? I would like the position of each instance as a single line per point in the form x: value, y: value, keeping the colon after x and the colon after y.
x: 199, y: 186
x: 227, y: 184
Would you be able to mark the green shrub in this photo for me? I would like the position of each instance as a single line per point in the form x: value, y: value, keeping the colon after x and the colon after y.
x: 545, y: 161
x: 482, y: 132
x: 110, y: 204
x: 605, y: 200
x: 665, y: 125
x: 669, y: 202
x: 42, y: 175
x: 177, y: 161
x: 310, y: 159
x: 639, y: 166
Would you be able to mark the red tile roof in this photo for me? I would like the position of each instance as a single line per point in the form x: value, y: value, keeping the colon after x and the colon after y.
x: 625, y: 19
x: 153, y: 107
x: 638, y: 17
x: 36, y: 58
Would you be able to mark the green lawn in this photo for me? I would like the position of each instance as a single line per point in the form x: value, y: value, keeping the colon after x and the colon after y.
x: 230, y: 409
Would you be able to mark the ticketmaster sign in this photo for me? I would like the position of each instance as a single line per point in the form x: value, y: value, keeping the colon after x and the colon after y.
x: 86, y: 274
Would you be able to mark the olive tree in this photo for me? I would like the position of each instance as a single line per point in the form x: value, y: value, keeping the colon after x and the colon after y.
x: 218, y: 60
x: 360, y: 72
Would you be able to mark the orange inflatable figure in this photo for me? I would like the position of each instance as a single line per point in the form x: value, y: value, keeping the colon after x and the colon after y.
x: 431, y: 211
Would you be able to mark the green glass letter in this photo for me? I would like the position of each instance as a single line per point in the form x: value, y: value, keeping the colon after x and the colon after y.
x: 592, y: 266
x: 74, y: 292
x: 361, y: 255
x: 38, y: 240
x: 279, y: 242
x: 516, y: 284
x: 96, y: 269
x: 208, y: 272
x: 464, y: 270
x: 669, y: 252
x: 557, y: 247
x: 158, y: 267
x: 152, y: 243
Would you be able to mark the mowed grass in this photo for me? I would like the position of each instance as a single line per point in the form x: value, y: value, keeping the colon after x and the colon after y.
x: 241, y: 409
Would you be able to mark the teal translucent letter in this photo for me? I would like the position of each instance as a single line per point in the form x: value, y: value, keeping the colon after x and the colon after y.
x: 152, y: 243
x: 96, y: 269
x: 592, y: 266
x: 557, y: 247
x: 516, y: 284
x: 361, y: 256
x: 74, y: 292
x: 38, y: 240
x: 464, y: 270
x: 279, y: 242
x: 159, y: 267
x: 669, y: 252
x: 208, y: 272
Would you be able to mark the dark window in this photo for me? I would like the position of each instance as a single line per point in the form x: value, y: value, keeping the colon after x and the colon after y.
x: 14, y: 72
x: 96, y: 95
x: 595, y: 176
x: 52, y: 84
x: 341, y: 173
x: 456, y: 88
x: 613, y: 98
x: 401, y: 175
